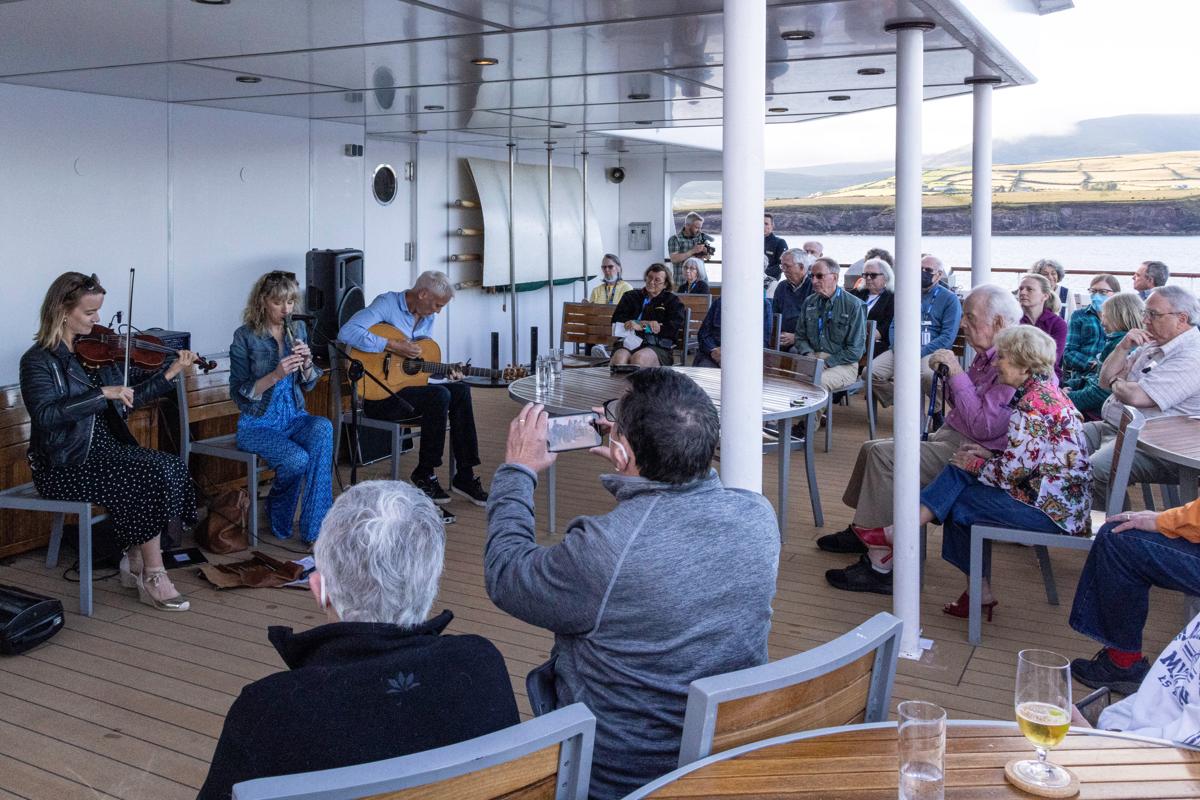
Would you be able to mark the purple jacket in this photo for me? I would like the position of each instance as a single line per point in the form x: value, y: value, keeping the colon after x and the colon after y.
x: 981, y: 411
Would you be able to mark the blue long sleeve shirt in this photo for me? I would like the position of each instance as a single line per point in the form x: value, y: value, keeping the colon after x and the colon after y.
x: 788, y: 300
x: 710, y: 330
x: 392, y: 309
x: 942, y: 308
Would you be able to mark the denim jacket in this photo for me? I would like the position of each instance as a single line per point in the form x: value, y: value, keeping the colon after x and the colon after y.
x: 250, y: 357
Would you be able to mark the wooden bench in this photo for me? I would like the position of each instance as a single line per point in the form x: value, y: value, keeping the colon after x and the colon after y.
x: 585, y: 325
x: 697, y: 306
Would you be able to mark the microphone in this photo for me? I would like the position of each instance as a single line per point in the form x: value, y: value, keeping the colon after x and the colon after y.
x: 303, y: 317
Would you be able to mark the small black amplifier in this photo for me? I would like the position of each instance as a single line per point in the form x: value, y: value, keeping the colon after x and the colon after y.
x: 26, y: 619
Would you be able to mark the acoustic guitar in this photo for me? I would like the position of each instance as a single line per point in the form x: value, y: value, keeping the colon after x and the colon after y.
x: 399, y: 372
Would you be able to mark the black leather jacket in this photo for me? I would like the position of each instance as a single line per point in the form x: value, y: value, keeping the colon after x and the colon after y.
x: 63, y: 405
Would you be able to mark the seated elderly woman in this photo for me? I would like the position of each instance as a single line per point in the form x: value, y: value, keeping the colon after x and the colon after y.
x: 1040, y: 481
x: 1054, y: 273
x: 1118, y: 315
x: 651, y: 318
x: 695, y: 277
x: 379, y: 680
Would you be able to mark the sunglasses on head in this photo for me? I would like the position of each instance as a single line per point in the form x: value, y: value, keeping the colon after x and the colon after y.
x: 88, y: 284
x: 275, y: 278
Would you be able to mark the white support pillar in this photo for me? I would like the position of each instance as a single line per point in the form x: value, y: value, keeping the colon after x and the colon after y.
x: 512, y: 252
x: 981, y: 177
x: 550, y: 238
x: 584, y: 158
x: 745, y: 25
x: 910, y: 79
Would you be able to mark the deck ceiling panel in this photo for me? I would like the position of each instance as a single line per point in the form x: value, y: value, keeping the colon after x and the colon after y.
x: 400, y: 66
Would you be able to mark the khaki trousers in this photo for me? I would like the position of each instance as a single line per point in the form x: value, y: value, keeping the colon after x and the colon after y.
x: 834, y: 379
x: 869, y: 491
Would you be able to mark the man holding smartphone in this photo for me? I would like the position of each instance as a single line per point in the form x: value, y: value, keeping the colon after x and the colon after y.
x: 642, y: 600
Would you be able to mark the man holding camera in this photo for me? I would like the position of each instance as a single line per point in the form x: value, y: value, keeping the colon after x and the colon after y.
x: 690, y: 241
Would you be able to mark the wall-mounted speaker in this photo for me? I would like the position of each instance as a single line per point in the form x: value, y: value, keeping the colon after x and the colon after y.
x: 616, y: 174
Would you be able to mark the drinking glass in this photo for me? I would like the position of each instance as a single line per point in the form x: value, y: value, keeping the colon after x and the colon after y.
x: 1043, y: 705
x: 543, y: 374
x: 556, y: 364
x: 921, y: 733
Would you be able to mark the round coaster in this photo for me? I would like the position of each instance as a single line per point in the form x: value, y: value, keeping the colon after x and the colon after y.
x: 1070, y: 790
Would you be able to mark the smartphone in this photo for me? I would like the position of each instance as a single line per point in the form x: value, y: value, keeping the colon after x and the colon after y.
x: 573, y: 432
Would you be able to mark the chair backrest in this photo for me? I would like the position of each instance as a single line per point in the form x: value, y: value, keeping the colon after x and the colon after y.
x: 586, y: 324
x: 806, y: 369
x: 202, y: 396
x: 547, y: 758
x: 846, y: 681
x: 14, y: 441
x: 776, y: 331
x: 1128, y: 432
x: 696, y: 309
x: 869, y: 353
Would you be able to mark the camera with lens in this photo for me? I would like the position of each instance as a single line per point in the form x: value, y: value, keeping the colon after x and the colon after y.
x: 709, y: 250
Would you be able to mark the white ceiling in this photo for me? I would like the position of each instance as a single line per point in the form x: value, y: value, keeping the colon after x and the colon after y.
x: 566, y: 67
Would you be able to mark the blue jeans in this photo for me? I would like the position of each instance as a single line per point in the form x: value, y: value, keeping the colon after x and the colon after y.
x: 1113, y: 595
x: 301, y: 453
x: 959, y: 500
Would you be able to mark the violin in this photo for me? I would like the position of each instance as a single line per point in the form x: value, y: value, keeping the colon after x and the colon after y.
x: 104, y: 346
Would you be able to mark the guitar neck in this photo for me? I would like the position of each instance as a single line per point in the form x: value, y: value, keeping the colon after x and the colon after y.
x: 435, y: 368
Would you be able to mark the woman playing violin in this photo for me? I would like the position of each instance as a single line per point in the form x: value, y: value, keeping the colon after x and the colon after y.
x: 270, y: 368
x: 80, y: 448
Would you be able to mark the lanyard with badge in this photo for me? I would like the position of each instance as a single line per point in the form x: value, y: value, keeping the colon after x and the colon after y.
x: 609, y: 293
x: 828, y: 315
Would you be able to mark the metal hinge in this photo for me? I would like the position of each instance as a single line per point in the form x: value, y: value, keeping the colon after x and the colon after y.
x: 410, y: 170
x: 408, y: 251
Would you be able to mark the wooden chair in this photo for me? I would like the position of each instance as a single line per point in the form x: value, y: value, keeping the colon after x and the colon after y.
x: 202, y: 397
x: 546, y: 758
x: 846, y: 681
x: 697, y: 306
x: 401, y: 431
x: 14, y: 434
x: 585, y: 325
x: 804, y: 369
x: 863, y: 384
x: 982, y: 536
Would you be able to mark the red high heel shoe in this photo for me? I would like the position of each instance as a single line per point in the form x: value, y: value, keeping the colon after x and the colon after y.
x: 961, y: 607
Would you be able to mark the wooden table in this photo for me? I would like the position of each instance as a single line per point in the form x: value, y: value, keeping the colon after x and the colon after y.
x: 1175, y: 440
x: 579, y: 390
x: 860, y: 762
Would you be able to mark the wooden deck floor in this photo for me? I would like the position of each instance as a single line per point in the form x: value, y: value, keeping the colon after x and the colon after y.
x: 129, y: 703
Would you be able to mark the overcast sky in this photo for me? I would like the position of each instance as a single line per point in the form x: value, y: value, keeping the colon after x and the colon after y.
x: 1102, y: 58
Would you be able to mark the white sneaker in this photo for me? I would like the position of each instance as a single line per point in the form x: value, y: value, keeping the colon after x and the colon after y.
x: 600, y: 350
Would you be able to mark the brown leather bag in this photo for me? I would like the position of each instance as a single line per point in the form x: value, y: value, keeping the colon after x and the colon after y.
x: 224, y: 529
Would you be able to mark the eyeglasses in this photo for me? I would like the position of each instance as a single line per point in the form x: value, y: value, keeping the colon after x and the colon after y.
x: 1153, y: 315
x: 610, y: 409
x: 816, y: 276
x: 872, y: 275
x: 1100, y: 291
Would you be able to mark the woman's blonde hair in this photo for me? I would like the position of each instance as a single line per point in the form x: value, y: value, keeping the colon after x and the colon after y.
x: 1052, y: 301
x: 1124, y: 311
x: 61, y: 299
x: 276, y: 285
x: 1029, y: 348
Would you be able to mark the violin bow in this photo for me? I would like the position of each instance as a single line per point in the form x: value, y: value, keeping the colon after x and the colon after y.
x: 129, y: 328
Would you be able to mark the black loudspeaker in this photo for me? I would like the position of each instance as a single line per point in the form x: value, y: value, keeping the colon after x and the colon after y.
x: 333, y: 291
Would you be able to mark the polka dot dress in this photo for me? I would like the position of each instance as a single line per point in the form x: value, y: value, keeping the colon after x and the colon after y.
x: 141, y: 489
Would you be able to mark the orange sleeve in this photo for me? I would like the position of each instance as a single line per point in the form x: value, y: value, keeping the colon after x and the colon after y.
x: 1182, y: 522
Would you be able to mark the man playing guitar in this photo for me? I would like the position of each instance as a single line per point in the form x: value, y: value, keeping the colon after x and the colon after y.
x: 412, y: 313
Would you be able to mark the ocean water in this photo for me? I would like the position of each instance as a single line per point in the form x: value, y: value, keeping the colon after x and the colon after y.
x: 1090, y: 253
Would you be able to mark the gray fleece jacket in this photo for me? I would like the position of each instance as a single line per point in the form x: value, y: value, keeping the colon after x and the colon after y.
x: 673, y: 584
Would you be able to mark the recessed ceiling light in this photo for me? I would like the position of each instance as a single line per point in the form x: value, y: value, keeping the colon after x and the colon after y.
x: 871, y: 71
x: 558, y: 124
x: 419, y: 132
x: 642, y: 122
x: 435, y: 108
x: 777, y: 109
x: 485, y: 62
x: 639, y: 96
x: 549, y: 141
x: 797, y: 36
x: 212, y: 2
x: 837, y: 98
x: 248, y: 79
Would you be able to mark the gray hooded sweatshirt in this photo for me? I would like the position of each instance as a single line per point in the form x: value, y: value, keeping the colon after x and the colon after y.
x: 673, y: 584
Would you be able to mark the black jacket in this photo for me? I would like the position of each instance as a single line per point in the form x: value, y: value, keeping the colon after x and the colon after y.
x: 63, y: 404
x: 665, y: 308
x: 359, y: 692
x: 881, y: 313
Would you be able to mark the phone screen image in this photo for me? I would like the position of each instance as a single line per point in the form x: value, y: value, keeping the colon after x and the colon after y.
x: 574, y: 432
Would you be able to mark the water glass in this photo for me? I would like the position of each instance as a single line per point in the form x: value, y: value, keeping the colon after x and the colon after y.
x: 543, y: 374
x: 556, y: 365
x: 921, y: 734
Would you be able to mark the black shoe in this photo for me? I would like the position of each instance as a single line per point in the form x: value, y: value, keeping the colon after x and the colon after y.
x: 844, y: 541
x: 860, y: 577
x: 470, y: 488
x: 1100, y: 671
x: 430, y: 486
x: 447, y: 517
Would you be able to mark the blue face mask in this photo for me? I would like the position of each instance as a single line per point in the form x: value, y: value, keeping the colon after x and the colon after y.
x: 1097, y: 301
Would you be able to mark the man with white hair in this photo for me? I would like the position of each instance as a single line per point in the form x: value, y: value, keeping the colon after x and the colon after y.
x: 690, y: 241
x: 941, y: 314
x: 980, y: 415
x: 379, y: 680
x: 791, y: 292
x: 1155, y: 369
x: 413, y: 313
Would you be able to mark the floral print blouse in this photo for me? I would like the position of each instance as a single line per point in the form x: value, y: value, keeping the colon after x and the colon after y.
x: 1045, y: 463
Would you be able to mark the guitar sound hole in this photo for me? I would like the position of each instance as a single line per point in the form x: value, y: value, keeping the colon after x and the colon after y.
x: 412, y: 366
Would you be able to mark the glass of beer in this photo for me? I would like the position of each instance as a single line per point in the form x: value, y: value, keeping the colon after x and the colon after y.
x: 1043, y: 701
